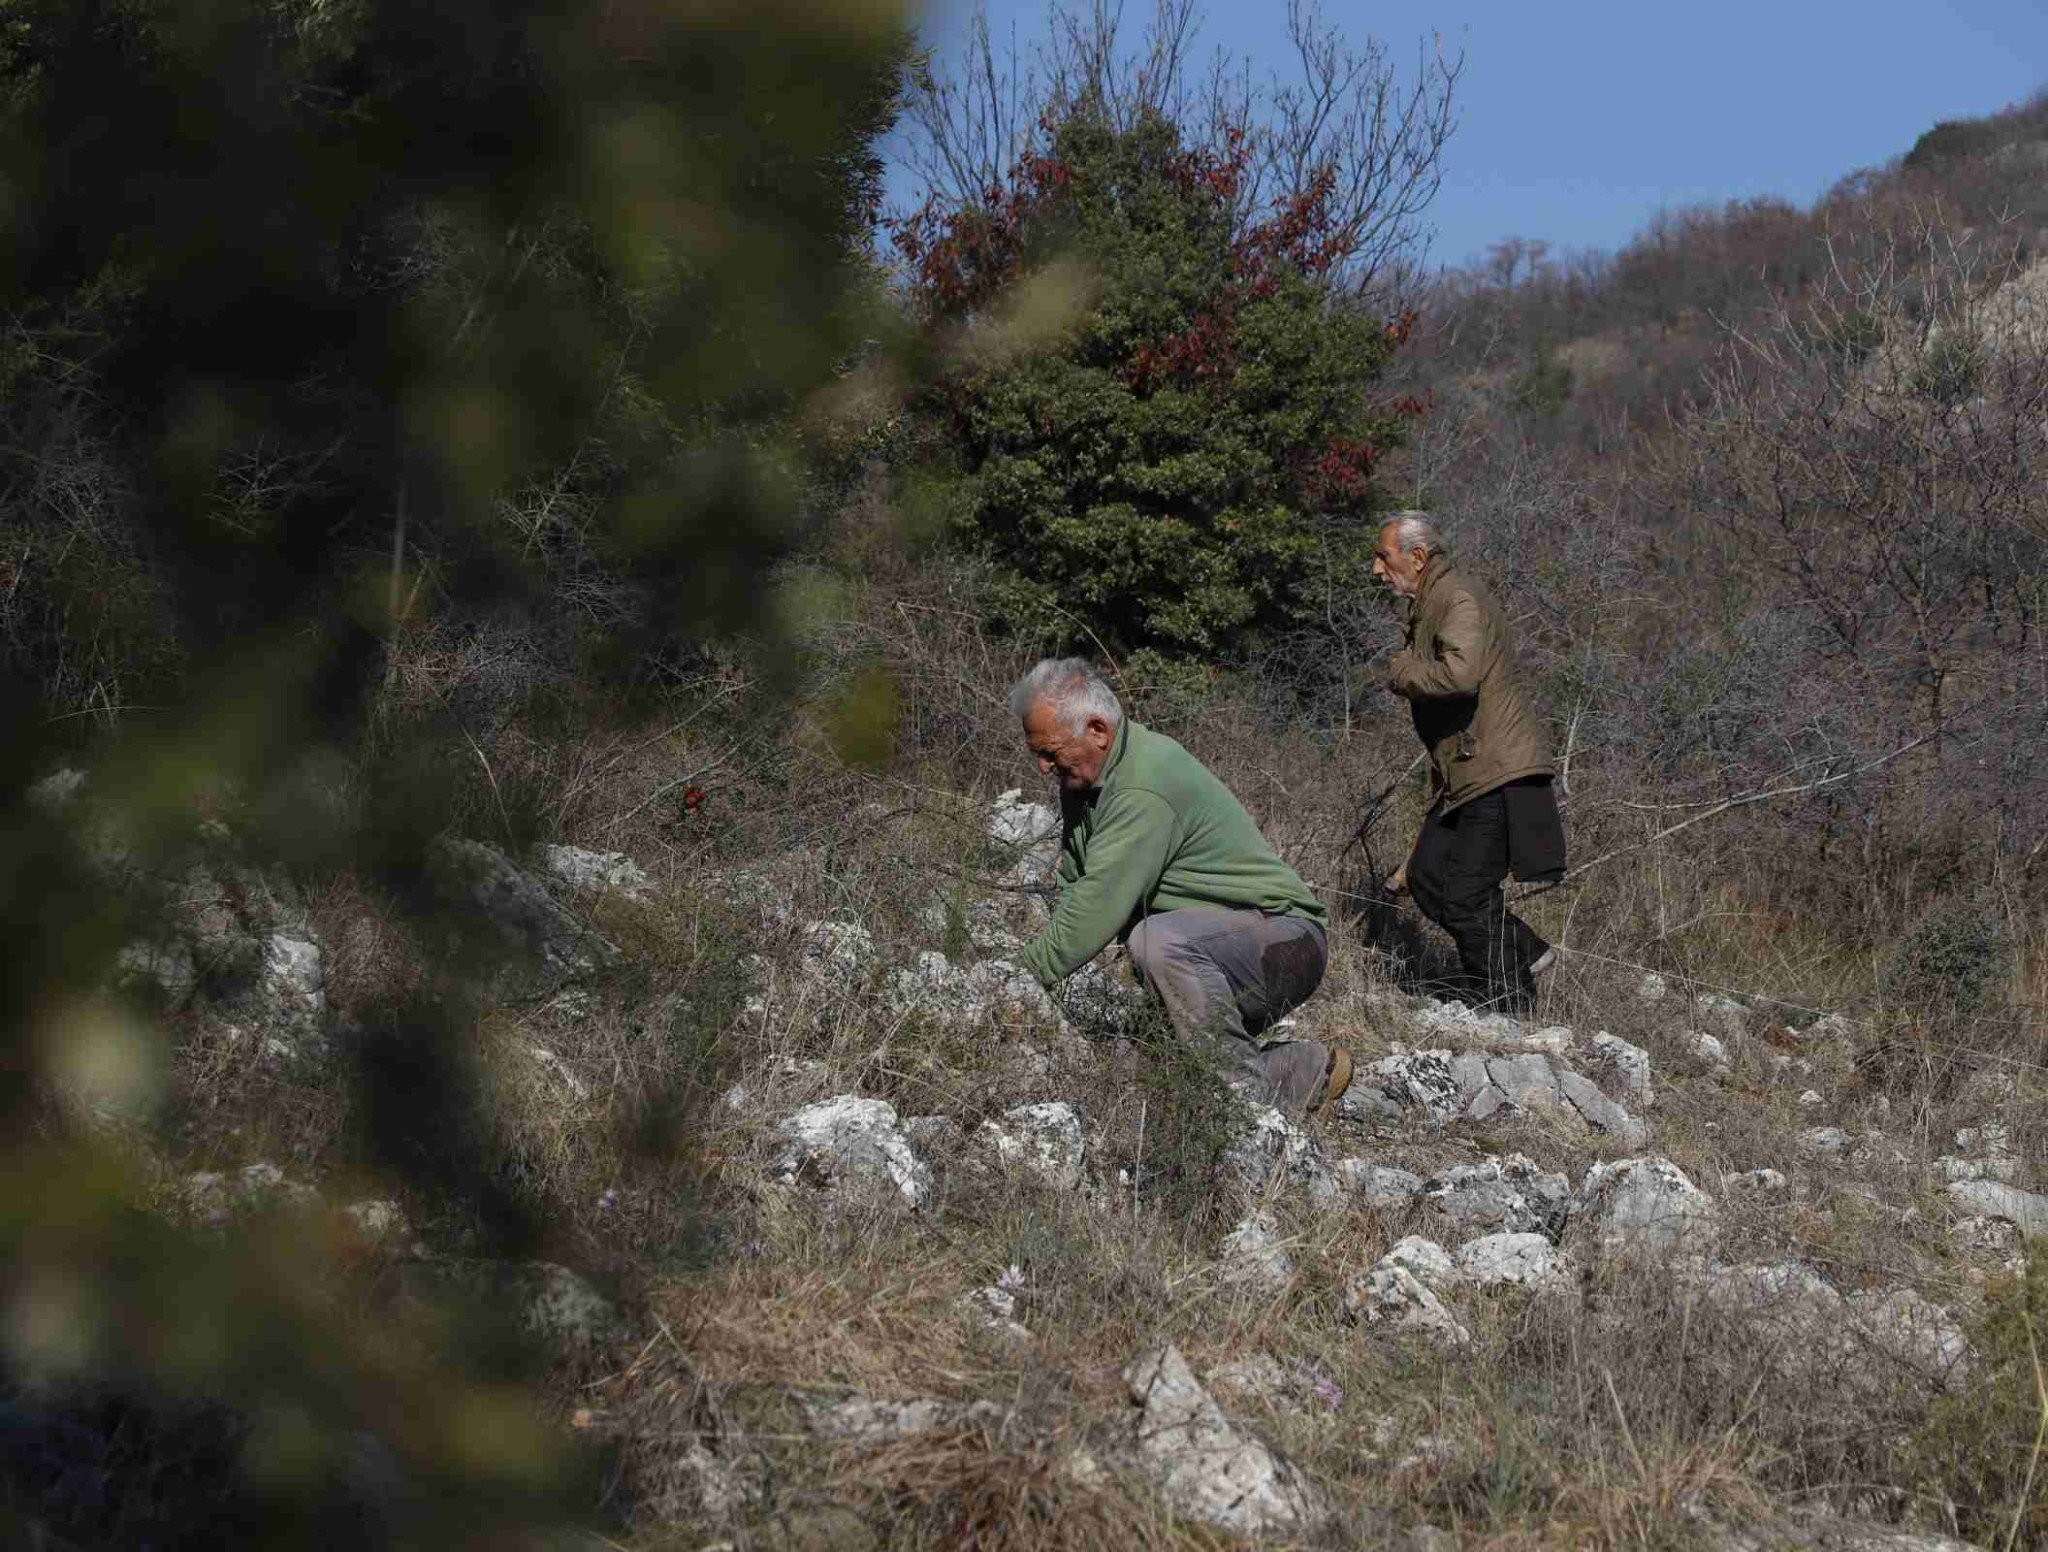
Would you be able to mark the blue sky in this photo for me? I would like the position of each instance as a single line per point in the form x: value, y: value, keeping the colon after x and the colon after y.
x: 1579, y: 119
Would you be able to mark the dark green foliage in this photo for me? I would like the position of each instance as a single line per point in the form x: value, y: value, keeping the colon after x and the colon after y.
x: 326, y: 324
x: 1542, y: 386
x: 1952, y: 963
x: 1851, y: 338
x: 1980, y: 1446
x: 1949, y: 370
x: 403, y: 308
x: 1952, y: 140
x: 1195, y: 448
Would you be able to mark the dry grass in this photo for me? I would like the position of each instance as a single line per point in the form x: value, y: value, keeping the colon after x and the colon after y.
x: 1627, y: 1414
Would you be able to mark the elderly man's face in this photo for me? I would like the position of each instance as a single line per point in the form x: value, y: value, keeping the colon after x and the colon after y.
x: 1400, y: 569
x: 1075, y: 758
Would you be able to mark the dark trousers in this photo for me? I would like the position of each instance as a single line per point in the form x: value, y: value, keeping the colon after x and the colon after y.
x: 1455, y: 875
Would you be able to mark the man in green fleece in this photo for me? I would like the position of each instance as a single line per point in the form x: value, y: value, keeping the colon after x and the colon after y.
x: 1155, y: 851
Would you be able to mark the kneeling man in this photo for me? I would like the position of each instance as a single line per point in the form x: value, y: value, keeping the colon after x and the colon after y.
x: 1155, y: 851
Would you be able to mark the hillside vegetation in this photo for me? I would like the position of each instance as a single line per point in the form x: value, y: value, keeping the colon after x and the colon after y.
x: 516, y: 837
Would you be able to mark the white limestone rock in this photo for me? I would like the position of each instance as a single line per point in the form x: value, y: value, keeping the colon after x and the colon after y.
x: 1430, y: 1263
x: 216, y: 1199
x: 1014, y: 822
x: 542, y: 942
x: 286, y: 1007
x: 721, y: 1487
x: 1828, y: 1027
x: 1629, y: 1063
x: 1914, y: 1332
x: 1644, y: 1207
x: 964, y: 996
x: 1099, y: 1003
x: 1993, y: 1160
x: 1421, y: 1079
x: 1433, y: 1020
x: 851, y: 1142
x: 382, y: 1225
x: 1478, y: 1085
x: 1517, y: 1260
x: 1866, y: 1337
x: 1203, y: 1466
x: 1993, y: 1138
x: 1254, y: 1255
x: 1043, y: 1140
x: 1720, y: 1014
x: 981, y: 921
x: 602, y: 872
x: 1272, y: 1148
x: 839, y: 955
x: 561, y: 1305
x: 2026, y: 1210
x: 1391, y: 1295
x: 1500, y: 1194
x: 1028, y: 834
x: 1598, y: 1111
x: 2004, y: 1169
x: 1377, y: 1185
x: 56, y: 791
x: 867, y: 1420
x: 1708, y: 1048
x: 1823, y: 1533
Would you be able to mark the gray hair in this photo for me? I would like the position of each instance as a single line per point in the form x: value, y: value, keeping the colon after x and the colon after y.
x: 1415, y: 529
x: 1072, y: 688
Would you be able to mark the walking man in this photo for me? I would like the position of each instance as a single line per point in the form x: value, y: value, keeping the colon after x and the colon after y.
x: 1154, y: 850
x: 1492, y: 811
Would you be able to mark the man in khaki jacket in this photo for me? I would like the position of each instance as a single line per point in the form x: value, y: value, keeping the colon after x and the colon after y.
x: 1492, y: 812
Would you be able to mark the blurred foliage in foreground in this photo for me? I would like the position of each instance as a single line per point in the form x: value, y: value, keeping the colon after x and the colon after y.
x: 322, y: 315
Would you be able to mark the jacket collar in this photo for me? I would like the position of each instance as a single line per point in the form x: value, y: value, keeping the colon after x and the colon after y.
x: 1116, y: 753
x: 1071, y: 803
x: 1432, y: 573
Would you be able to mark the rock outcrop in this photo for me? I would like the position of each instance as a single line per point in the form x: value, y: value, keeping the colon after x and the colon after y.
x: 1044, y: 1140
x: 851, y: 1146
x: 1202, y: 1465
x: 1644, y: 1207
x: 1443, y: 1086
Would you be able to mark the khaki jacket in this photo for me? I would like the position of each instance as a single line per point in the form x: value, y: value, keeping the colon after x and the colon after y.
x: 1457, y: 671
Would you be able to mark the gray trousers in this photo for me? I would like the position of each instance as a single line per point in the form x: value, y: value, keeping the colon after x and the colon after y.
x: 1225, y: 977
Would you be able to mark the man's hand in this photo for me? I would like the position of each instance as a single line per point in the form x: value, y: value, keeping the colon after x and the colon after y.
x: 1397, y: 882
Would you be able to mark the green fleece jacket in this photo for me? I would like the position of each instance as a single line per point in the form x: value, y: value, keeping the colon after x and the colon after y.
x: 1156, y: 833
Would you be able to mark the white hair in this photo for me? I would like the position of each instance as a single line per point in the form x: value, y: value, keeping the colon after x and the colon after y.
x: 1415, y: 530
x: 1072, y: 688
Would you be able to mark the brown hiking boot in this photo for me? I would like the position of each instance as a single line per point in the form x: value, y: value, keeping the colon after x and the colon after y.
x: 1336, y: 1079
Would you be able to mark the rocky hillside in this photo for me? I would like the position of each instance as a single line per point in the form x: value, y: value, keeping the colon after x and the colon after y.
x: 933, y: 1258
